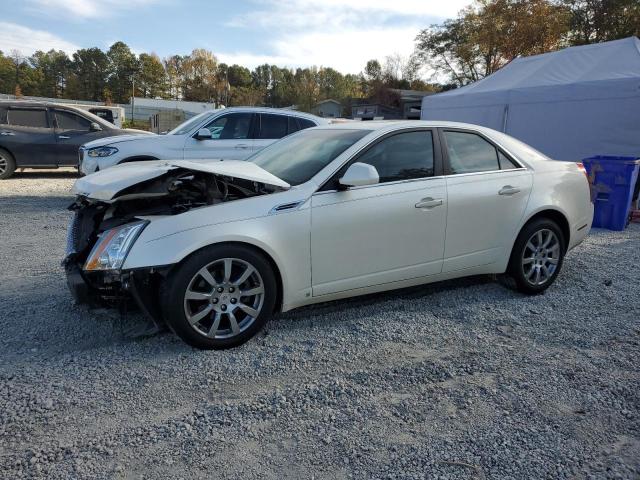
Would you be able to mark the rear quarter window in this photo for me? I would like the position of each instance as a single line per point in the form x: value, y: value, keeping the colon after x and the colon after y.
x: 304, y: 123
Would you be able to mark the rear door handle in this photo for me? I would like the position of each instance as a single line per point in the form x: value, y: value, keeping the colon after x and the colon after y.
x: 7, y: 134
x: 429, y: 202
x: 243, y: 146
x: 64, y: 137
x: 508, y: 190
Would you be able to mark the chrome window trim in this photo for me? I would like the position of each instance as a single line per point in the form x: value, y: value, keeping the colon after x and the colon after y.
x: 384, y: 184
x: 468, y: 174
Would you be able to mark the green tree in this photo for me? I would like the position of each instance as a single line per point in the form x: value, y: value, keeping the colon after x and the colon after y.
x: 306, y: 88
x: 7, y: 74
x: 152, y: 76
x: 54, y: 67
x: 123, y: 67
x: 89, y: 73
x: 595, y: 21
x: 200, y: 76
x: 238, y: 76
x: 173, y: 67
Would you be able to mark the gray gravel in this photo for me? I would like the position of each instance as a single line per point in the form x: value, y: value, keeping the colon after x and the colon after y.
x: 464, y: 379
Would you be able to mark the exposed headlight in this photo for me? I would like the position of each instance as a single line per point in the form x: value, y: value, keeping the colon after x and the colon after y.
x: 101, y: 151
x: 112, y: 247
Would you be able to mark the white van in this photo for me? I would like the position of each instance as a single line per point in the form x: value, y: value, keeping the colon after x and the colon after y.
x: 109, y: 113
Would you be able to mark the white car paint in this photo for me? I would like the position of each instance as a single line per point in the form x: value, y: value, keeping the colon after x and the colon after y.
x: 184, y: 145
x: 367, y: 239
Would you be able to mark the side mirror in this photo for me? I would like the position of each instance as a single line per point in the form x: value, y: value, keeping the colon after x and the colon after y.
x: 95, y: 127
x: 359, y: 175
x: 203, y: 134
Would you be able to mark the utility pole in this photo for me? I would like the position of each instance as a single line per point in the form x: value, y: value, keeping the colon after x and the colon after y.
x: 133, y: 95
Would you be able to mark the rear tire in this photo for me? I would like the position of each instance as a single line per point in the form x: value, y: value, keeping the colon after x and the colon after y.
x: 537, y: 256
x: 203, y: 301
x: 7, y: 164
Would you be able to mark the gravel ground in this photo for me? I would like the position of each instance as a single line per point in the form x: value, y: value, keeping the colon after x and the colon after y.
x: 464, y: 379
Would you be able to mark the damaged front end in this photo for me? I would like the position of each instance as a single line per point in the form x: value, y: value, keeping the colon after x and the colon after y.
x: 110, y: 216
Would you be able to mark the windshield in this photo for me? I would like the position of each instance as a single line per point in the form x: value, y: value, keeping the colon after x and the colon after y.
x: 298, y: 157
x: 187, y: 126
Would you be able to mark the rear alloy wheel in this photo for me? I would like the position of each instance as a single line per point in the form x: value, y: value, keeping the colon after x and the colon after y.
x: 540, y: 257
x: 537, y: 256
x: 7, y: 165
x: 220, y: 297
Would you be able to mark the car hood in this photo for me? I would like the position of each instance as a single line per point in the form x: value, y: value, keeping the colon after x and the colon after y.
x: 106, y: 184
x: 126, y: 137
x: 137, y: 131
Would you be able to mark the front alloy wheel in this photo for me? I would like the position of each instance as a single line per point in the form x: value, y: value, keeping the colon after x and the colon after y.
x: 220, y: 296
x: 224, y: 298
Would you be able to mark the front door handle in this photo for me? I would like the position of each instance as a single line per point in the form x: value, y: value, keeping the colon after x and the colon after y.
x: 508, y: 190
x: 429, y: 202
x: 7, y: 134
x: 243, y: 146
x: 64, y: 137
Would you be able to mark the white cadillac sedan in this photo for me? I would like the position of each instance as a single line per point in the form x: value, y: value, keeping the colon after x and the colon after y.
x: 215, y: 248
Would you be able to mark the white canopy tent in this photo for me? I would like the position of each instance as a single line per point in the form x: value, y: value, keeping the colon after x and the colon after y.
x: 571, y: 104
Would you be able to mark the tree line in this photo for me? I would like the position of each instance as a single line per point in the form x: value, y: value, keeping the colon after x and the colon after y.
x: 481, y: 39
x: 112, y: 76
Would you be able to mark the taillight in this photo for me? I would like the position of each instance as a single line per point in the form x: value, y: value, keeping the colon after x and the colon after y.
x: 592, y: 193
x: 582, y: 168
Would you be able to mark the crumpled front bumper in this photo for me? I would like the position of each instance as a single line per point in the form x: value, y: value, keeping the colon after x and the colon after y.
x: 116, y: 289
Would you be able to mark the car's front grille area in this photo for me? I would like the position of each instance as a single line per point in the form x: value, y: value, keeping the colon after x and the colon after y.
x: 72, y: 235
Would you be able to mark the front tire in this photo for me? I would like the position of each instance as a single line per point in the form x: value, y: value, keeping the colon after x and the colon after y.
x: 220, y: 297
x: 537, y: 256
x: 7, y: 165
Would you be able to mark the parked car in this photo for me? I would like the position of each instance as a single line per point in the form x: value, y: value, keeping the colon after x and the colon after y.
x: 231, y: 133
x: 47, y: 135
x: 214, y: 248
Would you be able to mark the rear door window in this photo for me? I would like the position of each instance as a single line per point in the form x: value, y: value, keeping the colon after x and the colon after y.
x: 272, y: 126
x: 27, y: 117
x: 70, y: 121
x: 470, y: 153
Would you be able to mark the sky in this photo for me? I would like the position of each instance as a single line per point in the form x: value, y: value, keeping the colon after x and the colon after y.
x: 342, y: 34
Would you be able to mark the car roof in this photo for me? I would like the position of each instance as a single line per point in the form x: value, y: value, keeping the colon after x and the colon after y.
x: 37, y: 103
x: 61, y: 106
x: 392, y: 124
x: 282, y: 111
x: 381, y: 127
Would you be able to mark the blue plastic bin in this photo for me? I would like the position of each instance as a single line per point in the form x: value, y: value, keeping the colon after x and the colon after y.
x: 614, y: 179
